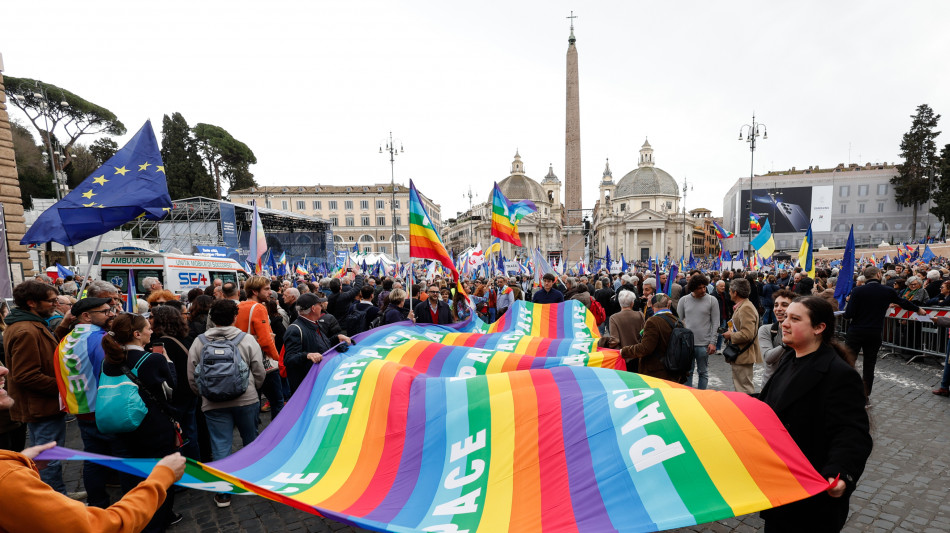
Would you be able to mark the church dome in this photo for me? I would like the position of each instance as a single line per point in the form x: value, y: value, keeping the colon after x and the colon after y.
x: 519, y: 187
x: 647, y: 180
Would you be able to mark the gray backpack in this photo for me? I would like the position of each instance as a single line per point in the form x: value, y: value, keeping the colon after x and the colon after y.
x: 221, y: 374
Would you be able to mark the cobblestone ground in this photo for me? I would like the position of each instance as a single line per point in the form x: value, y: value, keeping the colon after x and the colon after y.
x: 904, y: 488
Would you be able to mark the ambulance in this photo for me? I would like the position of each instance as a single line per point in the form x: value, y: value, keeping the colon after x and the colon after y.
x: 178, y: 273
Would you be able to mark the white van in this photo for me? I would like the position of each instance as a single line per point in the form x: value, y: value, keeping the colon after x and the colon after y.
x: 178, y: 273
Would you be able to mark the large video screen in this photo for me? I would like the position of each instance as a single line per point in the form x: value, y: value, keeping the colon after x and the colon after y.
x: 789, y: 209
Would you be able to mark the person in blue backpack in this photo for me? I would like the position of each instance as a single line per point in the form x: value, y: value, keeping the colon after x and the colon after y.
x: 156, y: 435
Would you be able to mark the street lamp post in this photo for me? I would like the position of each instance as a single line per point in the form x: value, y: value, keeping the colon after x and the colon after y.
x: 751, y: 132
x: 686, y: 187
x: 390, y: 146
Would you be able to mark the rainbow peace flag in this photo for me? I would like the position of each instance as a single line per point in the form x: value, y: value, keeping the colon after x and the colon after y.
x: 258, y: 241
x: 506, y: 215
x: 754, y: 222
x: 300, y: 271
x: 424, y: 239
x: 435, y: 428
x: 721, y: 232
x: 78, y: 363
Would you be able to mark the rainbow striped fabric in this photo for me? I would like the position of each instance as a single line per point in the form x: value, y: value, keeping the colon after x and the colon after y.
x: 506, y: 215
x: 258, y: 241
x: 424, y: 239
x: 78, y: 362
x: 418, y: 428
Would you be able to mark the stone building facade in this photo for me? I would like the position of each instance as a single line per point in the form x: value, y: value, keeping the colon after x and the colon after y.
x: 10, y: 193
x: 359, y: 214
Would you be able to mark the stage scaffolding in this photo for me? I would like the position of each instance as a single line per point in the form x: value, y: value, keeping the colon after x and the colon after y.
x: 197, y: 222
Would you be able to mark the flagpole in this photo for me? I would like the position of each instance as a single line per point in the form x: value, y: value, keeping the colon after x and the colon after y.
x: 85, y: 279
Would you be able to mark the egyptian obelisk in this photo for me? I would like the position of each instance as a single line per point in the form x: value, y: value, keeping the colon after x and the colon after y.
x: 574, y: 239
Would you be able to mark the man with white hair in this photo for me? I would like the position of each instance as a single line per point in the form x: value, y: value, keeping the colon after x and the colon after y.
x: 288, y: 299
x: 932, y: 283
x: 151, y: 284
x: 626, y: 325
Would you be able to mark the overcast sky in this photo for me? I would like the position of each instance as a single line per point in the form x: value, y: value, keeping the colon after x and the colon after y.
x: 313, y: 87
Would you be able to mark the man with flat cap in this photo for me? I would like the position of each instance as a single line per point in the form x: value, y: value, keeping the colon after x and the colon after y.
x: 305, y: 341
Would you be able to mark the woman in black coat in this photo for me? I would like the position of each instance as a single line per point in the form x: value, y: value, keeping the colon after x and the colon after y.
x: 819, y: 397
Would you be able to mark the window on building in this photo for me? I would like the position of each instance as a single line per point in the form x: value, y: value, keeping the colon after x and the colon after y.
x: 644, y: 205
x: 862, y: 190
x: 899, y: 208
x: 399, y: 220
x: 860, y: 208
x: 332, y: 204
x: 882, y: 188
x: 380, y: 221
x: 844, y: 209
x: 382, y: 249
x: 397, y: 204
x: 623, y: 207
x: 380, y: 204
x: 844, y: 190
x: 301, y: 205
x: 367, y: 249
x: 364, y: 204
x: 880, y: 207
x: 348, y: 204
x: 335, y: 221
x: 350, y: 221
x: 316, y: 204
x: 364, y: 220
x: 283, y: 204
x: 351, y: 238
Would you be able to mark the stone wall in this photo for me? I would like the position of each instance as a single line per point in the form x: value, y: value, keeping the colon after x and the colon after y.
x: 10, y: 190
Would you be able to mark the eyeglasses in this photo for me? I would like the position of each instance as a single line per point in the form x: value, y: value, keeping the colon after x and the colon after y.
x: 433, y: 292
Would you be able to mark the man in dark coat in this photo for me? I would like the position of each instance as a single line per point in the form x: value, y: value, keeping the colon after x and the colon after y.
x: 305, y: 341
x: 866, y: 307
x: 433, y: 310
x: 338, y: 303
x: 547, y: 294
x: 652, y: 346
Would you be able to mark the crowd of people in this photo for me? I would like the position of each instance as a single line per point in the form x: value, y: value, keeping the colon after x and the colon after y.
x: 267, y: 333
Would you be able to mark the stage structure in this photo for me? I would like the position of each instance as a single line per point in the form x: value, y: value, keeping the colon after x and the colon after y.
x: 221, y: 229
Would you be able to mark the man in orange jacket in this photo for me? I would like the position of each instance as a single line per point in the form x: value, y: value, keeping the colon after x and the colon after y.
x: 253, y: 319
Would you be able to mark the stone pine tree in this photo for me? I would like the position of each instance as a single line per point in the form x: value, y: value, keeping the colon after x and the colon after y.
x: 103, y: 149
x: 62, y: 113
x: 941, y: 198
x: 184, y: 170
x: 915, y: 176
x: 225, y: 157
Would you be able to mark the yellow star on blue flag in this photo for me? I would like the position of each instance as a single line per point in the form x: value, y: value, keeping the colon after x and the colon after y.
x: 118, y: 200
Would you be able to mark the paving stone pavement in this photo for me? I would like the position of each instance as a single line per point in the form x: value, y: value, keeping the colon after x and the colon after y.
x: 905, y: 487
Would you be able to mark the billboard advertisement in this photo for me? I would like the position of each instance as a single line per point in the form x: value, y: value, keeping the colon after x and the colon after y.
x: 789, y: 209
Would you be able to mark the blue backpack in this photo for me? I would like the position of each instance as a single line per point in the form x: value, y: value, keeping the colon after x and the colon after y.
x: 119, y: 406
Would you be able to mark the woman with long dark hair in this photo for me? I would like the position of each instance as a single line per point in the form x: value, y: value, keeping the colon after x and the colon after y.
x: 819, y: 397
x: 170, y: 329
x: 156, y: 436
x: 198, y: 316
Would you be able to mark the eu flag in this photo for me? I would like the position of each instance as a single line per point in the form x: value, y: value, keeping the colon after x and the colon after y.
x: 130, y: 185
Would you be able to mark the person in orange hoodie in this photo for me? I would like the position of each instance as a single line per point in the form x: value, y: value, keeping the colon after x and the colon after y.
x: 254, y: 320
x: 29, y: 505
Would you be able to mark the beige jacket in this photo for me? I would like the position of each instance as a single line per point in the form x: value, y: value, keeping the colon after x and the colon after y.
x: 745, y: 320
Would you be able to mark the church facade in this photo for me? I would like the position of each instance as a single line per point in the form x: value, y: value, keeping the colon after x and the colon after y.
x: 640, y: 215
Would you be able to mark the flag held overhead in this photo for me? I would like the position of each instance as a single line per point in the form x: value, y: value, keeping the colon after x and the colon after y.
x: 130, y: 185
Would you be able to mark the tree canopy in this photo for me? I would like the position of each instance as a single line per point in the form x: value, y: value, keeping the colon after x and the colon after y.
x: 224, y: 156
x: 103, y: 149
x: 60, y: 110
x: 36, y: 180
x: 184, y: 170
x: 915, y: 181
x: 941, y: 207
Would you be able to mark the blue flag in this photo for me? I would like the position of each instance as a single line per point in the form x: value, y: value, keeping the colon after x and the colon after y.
x: 130, y: 185
x: 928, y: 254
x: 670, y: 279
x: 130, y: 302
x: 623, y: 263
x: 63, y: 271
x: 726, y: 256
x: 846, y: 272
x: 610, y: 262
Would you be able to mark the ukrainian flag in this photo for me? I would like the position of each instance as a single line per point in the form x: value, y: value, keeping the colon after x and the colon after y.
x: 805, y: 259
x: 763, y: 243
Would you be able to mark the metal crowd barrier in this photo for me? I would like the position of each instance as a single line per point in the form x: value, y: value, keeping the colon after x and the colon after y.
x: 905, y: 335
